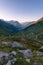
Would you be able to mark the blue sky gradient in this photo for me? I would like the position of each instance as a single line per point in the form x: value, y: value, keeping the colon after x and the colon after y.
x: 21, y: 10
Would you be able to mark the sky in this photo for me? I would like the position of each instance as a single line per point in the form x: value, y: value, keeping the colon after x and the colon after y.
x: 21, y: 10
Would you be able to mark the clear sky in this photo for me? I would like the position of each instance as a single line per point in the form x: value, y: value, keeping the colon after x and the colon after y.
x: 21, y: 10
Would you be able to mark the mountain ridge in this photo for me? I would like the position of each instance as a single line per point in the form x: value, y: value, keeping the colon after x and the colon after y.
x: 17, y: 26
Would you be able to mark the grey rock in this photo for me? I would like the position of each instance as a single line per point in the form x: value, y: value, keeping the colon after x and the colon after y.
x: 12, y: 53
x: 9, y: 63
x: 17, y: 44
x: 26, y: 53
x: 4, y: 54
x: 28, y: 60
x: 6, y: 43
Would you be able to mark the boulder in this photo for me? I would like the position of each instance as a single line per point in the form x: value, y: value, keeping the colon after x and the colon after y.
x: 17, y: 44
x: 7, y: 43
x: 28, y: 60
x: 4, y: 54
x: 26, y: 53
x: 11, y: 62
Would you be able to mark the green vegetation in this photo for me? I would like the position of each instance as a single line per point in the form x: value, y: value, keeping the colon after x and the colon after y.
x: 21, y: 62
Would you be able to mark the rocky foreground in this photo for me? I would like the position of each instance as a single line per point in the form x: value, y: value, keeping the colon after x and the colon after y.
x: 16, y: 53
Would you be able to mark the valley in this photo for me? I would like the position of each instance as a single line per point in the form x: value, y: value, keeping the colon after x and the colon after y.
x: 21, y: 46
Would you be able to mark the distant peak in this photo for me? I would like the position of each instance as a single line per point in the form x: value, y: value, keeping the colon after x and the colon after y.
x: 40, y: 19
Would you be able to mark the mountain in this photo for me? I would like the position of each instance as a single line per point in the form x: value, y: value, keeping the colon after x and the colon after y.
x: 16, y: 24
x: 26, y: 24
x: 7, y: 28
x: 35, y: 28
x: 10, y: 27
x: 41, y: 19
x: 30, y: 29
x: 20, y: 26
x: 35, y: 31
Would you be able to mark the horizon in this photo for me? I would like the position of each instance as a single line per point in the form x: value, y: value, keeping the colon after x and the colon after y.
x: 22, y: 22
x: 21, y: 10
